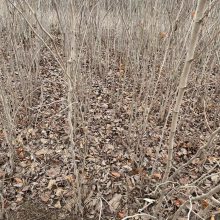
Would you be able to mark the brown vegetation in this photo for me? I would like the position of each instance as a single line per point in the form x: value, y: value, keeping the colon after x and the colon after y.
x: 109, y: 109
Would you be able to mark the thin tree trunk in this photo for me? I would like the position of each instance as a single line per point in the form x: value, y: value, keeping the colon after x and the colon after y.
x: 71, y: 74
x: 183, y: 81
x: 181, y: 90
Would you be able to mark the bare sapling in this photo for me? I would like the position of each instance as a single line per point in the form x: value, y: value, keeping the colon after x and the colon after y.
x: 181, y: 90
x: 183, y: 81
x: 71, y: 74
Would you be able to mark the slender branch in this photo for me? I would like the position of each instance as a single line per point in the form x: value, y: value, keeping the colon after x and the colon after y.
x: 38, y: 36
x: 141, y: 214
x: 204, y: 196
x: 197, y: 154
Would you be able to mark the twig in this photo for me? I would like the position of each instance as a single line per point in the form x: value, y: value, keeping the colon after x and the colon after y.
x: 2, y: 211
x: 205, y: 115
x: 197, y: 154
x: 38, y: 36
x: 204, y: 196
x: 100, y: 212
x: 190, y: 209
x: 142, y: 214
x: 215, y: 201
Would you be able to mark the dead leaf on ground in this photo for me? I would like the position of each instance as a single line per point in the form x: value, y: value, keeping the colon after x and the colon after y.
x: 58, y: 205
x: 2, y: 173
x: 18, y: 182
x: 115, y: 174
x: 42, y: 151
x: 178, y: 202
x: 69, y: 178
x: 43, y: 140
x: 51, y: 184
x: 115, y: 202
x: 19, y: 198
x: 205, y: 203
x: 59, y: 192
x: 45, y: 196
x: 157, y: 176
x: 52, y: 172
x: 31, y: 131
x: 163, y: 35
x: 20, y: 152
x: 215, y: 178
x: 184, y: 180
x: 121, y: 214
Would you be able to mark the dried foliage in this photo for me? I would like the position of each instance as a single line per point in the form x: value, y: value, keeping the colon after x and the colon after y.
x: 87, y: 94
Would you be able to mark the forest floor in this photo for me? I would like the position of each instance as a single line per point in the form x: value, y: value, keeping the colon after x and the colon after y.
x: 114, y: 180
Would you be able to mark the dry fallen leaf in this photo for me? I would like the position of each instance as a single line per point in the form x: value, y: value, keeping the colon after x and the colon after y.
x: 69, y: 178
x: 43, y: 140
x: 178, y: 202
x: 18, y: 182
x: 31, y: 131
x: 19, y: 198
x: 215, y: 178
x: 42, y: 151
x: 58, y: 205
x: 19, y: 139
x: 20, y: 152
x: 149, y: 152
x: 59, y: 192
x: 212, y: 159
x: 52, y: 172
x: 163, y: 35
x: 204, y: 203
x: 26, y: 188
x: 45, y: 196
x: 51, y: 184
x: 121, y: 214
x: 2, y: 173
x: 21, y: 155
x: 157, y: 176
x: 115, y: 202
x: 105, y: 105
x: 115, y: 174
x: 184, y: 180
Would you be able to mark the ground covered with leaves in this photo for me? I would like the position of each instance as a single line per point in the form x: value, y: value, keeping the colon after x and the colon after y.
x: 115, y: 179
